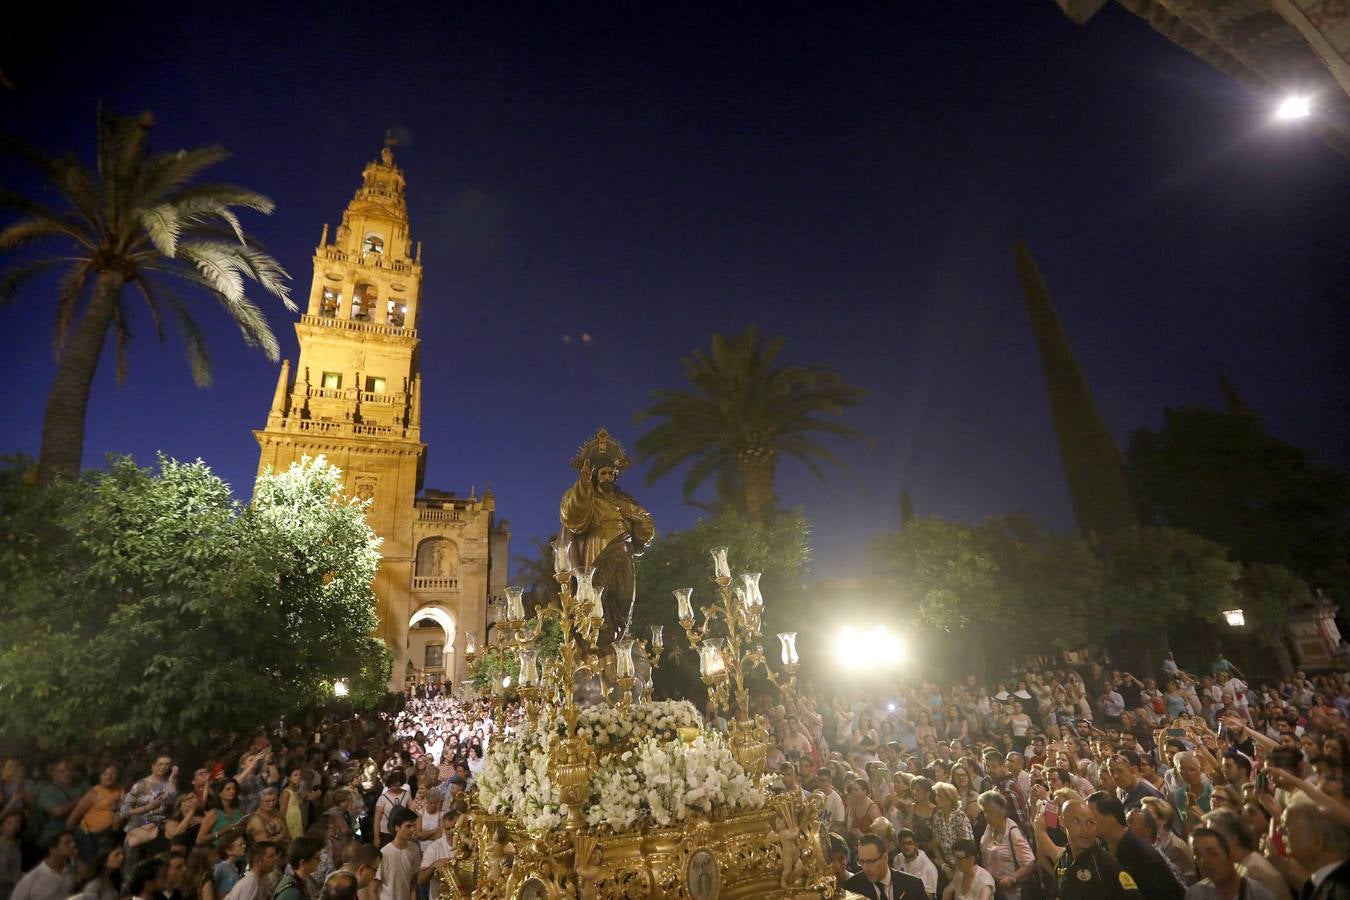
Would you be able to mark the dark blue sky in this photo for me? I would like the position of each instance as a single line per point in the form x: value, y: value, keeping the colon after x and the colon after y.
x: 650, y: 175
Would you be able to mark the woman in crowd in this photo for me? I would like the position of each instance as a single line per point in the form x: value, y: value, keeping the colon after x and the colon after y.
x: 293, y: 803
x: 106, y: 880
x: 267, y: 825
x: 950, y: 824
x: 1006, y: 852
x: 860, y: 810
x: 225, y: 813
x: 94, y: 819
x: 199, y: 883
x: 969, y: 881
x: 965, y: 789
x: 185, y: 822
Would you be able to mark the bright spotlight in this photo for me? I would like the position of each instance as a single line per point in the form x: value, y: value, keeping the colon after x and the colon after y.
x: 1293, y: 107
x: 340, y: 688
x: 875, y: 647
x: 1234, y: 618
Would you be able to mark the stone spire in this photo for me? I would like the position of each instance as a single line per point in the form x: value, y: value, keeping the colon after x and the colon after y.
x: 1093, y: 465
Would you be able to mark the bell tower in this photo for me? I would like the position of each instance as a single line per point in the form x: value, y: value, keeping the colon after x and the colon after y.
x: 355, y: 396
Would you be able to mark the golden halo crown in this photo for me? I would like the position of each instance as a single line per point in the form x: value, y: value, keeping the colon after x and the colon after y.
x: 601, y: 449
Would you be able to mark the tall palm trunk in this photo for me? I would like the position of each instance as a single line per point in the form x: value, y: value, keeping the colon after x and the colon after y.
x: 63, y: 422
x: 756, y: 467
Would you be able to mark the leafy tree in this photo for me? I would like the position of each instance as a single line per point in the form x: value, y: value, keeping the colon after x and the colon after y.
x: 1221, y: 475
x: 743, y: 412
x: 1006, y: 584
x: 141, y: 604
x: 1159, y: 579
x: 126, y: 224
x: 534, y: 573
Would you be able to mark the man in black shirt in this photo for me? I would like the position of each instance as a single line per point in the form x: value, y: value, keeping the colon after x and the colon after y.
x: 1143, y: 863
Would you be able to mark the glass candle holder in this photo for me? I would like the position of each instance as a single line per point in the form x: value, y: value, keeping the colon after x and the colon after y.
x: 685, y: 604
x: 721, y: 568
x: 561, y: 556
x: 515, y: 604
x: 788, y: 640
x: 623, y: 658
x: 529, y: 667
x: 585, y: 592
x: 753, y: 598
x: 658, y: 637
x: 597, y: 607
x: 470, y: 643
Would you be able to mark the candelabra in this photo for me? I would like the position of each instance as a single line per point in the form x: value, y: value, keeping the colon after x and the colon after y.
x: 725, y: 659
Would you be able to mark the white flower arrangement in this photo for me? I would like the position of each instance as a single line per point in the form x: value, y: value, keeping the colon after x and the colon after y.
x: 659, y: 782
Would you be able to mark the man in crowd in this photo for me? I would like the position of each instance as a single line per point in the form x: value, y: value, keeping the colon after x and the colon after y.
x: 1221, y: 880
x: 913, y: 861
x: 1084, y: 870
x: 1145, y: 865
x: 1321, y: 845
x: 833, y: 815
x: 303, y: 857
x: 172, y: 875
x: 876, y: 879
x: 401, y: 859
x: 996, y: 767
x: 1247, y: 859
x: 53, y: 878
x: 1131, y: 789
x: 262, y: 862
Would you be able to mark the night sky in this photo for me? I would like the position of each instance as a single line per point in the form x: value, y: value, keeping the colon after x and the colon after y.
x: 651, y: 174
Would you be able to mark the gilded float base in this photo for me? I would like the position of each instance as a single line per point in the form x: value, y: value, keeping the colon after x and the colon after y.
x: 736, y: 857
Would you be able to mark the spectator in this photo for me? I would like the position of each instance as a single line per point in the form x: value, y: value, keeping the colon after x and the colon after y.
x: 226, y: 873
x: 401, y: 860
x: 94, y: 818
x: 1249, y: 862
x: 876, y: 879
x: 1144, y: 864
x: 1321, y: 845
x: 53, y: 878
x: 262, y: 861
x: 1153, y: 822
x: 147, y: 805
x: 969, y: 881
x: 172, y: 876
x: 266, y: 825
x: 834, y: 813
x: 342, y: 886
x: 1131, y: 788
x: 303, y: 856
x: 56, y: 800
x: 223, y: 817
x: 105, y: 882
x: 11, y: 857
x: 1221, y: 879
x: 396, y: 795
x: 913, y: 861
x: 950, y: 825
x: 1007, y: 854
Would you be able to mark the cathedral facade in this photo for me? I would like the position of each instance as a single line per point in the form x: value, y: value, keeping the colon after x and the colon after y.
x: 355, y: 396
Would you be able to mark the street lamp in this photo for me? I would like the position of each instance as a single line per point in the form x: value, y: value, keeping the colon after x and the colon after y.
x: 1234, y: 618
x: 869, y: 648
x: 340, y: 688
x: 1293, y: 107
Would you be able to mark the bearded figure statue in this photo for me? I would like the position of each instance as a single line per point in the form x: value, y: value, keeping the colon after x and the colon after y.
x: 606, y: 529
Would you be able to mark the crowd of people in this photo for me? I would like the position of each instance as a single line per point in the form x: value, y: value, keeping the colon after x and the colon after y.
x: 1070, y: 782
x: 1079, y: 782
x: 360, y: 808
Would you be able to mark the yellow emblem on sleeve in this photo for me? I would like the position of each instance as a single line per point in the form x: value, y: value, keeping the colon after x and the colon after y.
x: 1127, y: 882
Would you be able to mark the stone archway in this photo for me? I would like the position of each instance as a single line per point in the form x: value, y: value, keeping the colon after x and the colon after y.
x: 431, y: 644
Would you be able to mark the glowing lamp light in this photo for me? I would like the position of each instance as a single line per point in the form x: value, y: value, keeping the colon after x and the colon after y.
x: 470, y: 644
x: 1234, y: 618
x: 1294, y: 107
x: 623, y: 658
x: 658, y: 637
x: 753, y: 598
x: 506, y: 683
x: 340, y: 688
x: 788, y: 640
x: 875, y: 647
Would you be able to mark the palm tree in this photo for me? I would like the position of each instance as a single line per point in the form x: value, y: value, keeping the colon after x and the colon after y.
x: 127, y: 223
x: 743, y: 412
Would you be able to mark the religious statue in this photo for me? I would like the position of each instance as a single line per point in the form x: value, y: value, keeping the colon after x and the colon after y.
x: 606, y: 528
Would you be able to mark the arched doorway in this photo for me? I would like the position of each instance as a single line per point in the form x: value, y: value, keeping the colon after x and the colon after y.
x: 431, y: 646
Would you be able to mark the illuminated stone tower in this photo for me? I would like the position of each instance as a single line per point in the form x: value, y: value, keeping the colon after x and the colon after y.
x: 355, y: 396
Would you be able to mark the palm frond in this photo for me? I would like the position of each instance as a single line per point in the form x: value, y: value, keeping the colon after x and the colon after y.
x: 194, y: 340
x: 17, y: 276
x: 251, y: 321
x: 163, y: 227
x: 220, y: 267
x: 34, y: 227
x: 68, y: 300
x: 164, y: 174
